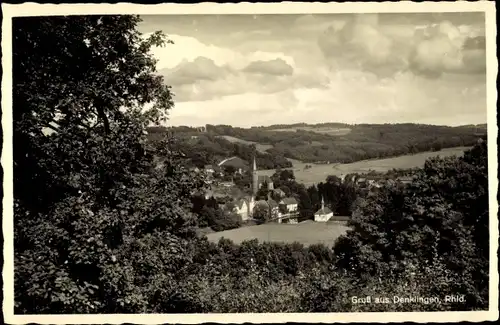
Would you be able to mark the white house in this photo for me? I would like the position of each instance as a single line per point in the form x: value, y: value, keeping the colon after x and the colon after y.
x: 290, y: 203
x: 242, y: 209
x: 289, y: 210
x: 324, y: 214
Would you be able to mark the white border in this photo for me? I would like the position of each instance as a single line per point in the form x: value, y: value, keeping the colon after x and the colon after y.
x: 33, y: 9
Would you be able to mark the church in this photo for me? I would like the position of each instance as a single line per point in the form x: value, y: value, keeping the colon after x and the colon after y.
x: 324, y: 214
x: 285, y: 209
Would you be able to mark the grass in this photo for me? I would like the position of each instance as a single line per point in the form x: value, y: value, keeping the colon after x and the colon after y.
x: 318, y: 173
x: 306, y: 233
x: 260, y: 147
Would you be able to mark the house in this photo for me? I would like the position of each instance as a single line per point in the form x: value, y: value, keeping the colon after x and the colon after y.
x: 390, y: 182
x: 261, y: 179
x: 290, y: 204
x: 324, y: 214
x: 209, y: 169
x: 242, y: 209
x: 362, y: 182
x: 279, y: 193
x: 405, y: 179
x: 288, y: 208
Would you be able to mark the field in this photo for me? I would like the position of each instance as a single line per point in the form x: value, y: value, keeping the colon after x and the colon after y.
x: 306, y: 233
x: 318, y: 173
x: 322, y: 130
x: 260, y: 147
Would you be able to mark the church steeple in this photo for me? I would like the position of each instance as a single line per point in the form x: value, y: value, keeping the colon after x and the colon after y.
x: 255, y: 182
x: 322, y: 203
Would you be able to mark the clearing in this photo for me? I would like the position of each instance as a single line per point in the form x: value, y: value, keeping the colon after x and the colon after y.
x: 318, y: 173
x: 306, y: 233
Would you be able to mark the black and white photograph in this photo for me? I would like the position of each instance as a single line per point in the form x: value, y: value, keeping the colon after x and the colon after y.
x: 249, y: 164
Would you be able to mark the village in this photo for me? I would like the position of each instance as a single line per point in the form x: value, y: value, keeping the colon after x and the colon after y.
x: 278, y: 207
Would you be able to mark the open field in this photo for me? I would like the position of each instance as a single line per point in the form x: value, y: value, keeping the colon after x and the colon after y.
x: 318, y: 173
x: 259, y: 147
x: 306, y: 233
x: 322, y: 130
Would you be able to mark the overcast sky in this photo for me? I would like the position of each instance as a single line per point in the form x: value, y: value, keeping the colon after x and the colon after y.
x: 248, y: 70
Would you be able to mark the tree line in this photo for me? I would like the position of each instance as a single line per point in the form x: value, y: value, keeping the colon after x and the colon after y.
x: 101, y: 228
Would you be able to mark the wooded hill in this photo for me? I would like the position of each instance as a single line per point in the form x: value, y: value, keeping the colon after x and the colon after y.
x: 363, y: 141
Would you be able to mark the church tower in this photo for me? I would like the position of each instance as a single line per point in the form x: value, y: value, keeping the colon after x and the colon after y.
x: 255, y: 181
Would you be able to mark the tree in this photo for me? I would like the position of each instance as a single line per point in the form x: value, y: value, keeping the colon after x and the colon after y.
x: 110, y: 70
x: 443, y: 213
x: 262, y: 192
x: 287, y: 175
x: 89, y: 193
x: 229, y: 169
x: 261, y: 213
x: 305, y: 206
x: 314, y: 196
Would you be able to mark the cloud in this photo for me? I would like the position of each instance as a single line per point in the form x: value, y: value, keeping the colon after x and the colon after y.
x: 232, y: 82
x: 361, y: 43
x: 202, y: 79
x: 189, y: 72
x: 187, y: 48
x: 446, y: 48
x: 353, y: 97
x: 329, y: 68
x: 277, y: 67
x: 387, y: 49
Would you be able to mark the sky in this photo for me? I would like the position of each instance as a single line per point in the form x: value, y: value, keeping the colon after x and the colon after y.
x: 252, y: 70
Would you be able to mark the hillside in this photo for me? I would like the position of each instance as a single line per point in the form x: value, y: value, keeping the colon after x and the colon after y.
x: 319, y: 143
x: 207, y: 148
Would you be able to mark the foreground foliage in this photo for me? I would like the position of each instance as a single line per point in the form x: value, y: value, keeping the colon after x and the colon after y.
x: 101, y: 228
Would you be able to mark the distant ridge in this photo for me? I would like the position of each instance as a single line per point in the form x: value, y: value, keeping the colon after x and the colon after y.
x: 295, y: 125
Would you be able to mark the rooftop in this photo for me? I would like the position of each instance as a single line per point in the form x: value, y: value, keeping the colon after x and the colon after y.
x: 325, y: 210
x: 289, y: 200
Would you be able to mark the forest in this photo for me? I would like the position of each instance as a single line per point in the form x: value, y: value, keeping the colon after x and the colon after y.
x: 99, y: 227
x: 205, y: 148
x: 364, y: 141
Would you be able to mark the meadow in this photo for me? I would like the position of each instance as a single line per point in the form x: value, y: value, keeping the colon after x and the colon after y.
x: 306, y: 233
x: 318, y: 172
